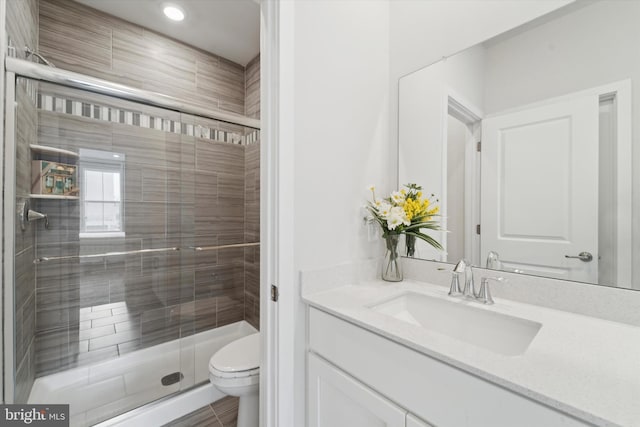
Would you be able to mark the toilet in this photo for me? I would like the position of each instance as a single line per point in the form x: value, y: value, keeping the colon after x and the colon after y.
x: 235, y: 371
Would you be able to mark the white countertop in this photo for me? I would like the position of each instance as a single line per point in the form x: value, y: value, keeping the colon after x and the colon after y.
x: 583, y: 366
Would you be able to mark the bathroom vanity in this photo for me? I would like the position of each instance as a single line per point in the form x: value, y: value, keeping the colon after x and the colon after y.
x: 388, y: 354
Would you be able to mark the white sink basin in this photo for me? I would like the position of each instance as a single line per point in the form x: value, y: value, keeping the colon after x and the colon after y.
x: 497, y: 332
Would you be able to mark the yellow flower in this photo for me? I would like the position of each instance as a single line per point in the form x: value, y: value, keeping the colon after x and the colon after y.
x: 412, y: 208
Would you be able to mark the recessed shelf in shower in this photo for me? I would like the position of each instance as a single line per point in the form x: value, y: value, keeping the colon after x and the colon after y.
x: 53, y: 173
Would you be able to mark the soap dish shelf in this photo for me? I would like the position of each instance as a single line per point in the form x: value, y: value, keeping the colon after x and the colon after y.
x: 53, y: 197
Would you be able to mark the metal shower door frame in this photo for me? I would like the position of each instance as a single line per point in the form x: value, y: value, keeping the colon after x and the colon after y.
x: 9, y: 213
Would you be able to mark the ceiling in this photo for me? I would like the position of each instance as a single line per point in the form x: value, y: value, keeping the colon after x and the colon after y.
x: 228, y: 28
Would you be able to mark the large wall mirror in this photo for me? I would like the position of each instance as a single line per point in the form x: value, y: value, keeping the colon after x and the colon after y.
x: 530, y: 140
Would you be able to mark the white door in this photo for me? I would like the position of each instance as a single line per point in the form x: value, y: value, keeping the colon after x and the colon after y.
x: 337, y: 400
x: 539, y: 186
x: 413, y: 421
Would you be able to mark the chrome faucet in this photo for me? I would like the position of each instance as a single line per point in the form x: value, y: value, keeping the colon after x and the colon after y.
x: 469, y: 286
x: 493, y: 261
x: 459, y: 269
x: 462, y: 267
x: 484, y: 293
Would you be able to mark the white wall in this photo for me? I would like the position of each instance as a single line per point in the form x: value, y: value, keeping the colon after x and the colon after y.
x: 422, y: 32
x: 457, y: 134
x: 586, y: 48
x: 334, y: 106
x: 341, y: 99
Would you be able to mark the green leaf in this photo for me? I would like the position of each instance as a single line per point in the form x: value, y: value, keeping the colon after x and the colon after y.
x: 430, y: 240
x: 431, y: 225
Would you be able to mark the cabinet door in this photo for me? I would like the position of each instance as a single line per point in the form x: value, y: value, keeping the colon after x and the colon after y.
x: 413, y: 421
x: 338, y: 400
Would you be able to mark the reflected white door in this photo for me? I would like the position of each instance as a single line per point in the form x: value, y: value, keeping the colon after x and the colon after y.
x: 540, y: 189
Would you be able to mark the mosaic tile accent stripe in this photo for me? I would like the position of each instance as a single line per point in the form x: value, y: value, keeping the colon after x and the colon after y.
x: 74, y: 107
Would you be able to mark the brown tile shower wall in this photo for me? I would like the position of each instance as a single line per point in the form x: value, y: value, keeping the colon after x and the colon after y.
x: 22, y: 29
x: 22, y: 24
x: 252, y: 234
x: 252, y: 88
x: 82, y: 39
x: 252, y: 199
x: 179, y: 190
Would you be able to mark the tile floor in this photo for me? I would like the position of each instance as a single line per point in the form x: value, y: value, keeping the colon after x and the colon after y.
x: 223, y: 413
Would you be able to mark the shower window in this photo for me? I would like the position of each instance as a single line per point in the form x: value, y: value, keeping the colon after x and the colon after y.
x: 102, y: 182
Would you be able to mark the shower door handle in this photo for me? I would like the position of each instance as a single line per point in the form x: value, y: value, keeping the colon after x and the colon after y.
x: 582, y: 256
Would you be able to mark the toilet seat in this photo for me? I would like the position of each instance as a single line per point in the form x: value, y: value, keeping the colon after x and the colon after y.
x: 238, y: 374
x: 238, y: 359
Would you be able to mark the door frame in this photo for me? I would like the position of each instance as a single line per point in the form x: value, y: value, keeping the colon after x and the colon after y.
x: 277, y: 319
x: 621, y: 91
x: 462, y: 109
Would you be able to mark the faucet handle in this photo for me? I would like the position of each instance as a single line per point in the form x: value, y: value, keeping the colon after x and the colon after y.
x: 469, y: 290
x: 484, y: 294
x: 459, y: 269
x: 454, y: 290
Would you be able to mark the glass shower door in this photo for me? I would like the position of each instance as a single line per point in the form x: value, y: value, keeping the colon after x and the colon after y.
x: 99, y: 277
x: 134, y: 233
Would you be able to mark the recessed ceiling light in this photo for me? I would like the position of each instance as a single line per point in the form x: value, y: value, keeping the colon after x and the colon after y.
x: 174, y: 13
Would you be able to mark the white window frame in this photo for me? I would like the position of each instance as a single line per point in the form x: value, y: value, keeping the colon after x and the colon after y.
x: 100, y: 166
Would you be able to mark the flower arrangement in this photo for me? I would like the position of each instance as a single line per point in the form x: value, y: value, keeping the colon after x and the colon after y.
x: 406, y: 212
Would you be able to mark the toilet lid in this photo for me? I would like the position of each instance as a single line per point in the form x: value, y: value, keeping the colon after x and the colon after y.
x: 240, y: 355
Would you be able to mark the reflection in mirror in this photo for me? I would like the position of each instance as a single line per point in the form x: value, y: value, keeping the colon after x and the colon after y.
x: 526, y: 139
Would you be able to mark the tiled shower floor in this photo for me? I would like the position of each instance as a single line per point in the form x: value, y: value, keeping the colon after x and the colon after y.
x: 108, y: 326
x: 102, y: 390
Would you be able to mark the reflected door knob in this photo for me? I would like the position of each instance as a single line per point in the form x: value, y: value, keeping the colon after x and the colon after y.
x: 582, y: 256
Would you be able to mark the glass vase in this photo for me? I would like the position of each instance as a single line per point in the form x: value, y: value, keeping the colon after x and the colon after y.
x: 410, y: 243
x: 391, y: 266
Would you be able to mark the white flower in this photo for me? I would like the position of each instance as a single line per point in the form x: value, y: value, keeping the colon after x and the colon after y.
x: 396, y: 217
x: 384, y: 209
x: 398, y: 198
x: 400, y: 213
x: 393, y: 222
x: 372, y: 188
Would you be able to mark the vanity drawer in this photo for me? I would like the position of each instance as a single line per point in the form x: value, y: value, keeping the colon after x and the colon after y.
x: 433, y: 390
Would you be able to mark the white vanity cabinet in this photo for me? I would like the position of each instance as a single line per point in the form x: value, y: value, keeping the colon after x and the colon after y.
x: 359, y: 378
x: 415, y: 422
x: 336, y: 399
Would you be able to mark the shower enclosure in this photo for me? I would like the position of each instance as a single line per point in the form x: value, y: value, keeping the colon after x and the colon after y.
x: 131, y: 233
